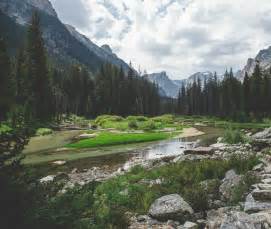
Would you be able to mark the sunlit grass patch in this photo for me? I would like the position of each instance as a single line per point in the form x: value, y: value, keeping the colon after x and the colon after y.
x: 109, y: 139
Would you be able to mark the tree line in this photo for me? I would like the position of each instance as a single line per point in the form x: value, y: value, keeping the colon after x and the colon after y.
x: 229, y: 97
x: 32, y: 86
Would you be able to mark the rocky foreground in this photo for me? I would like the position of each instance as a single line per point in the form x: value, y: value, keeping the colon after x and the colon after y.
x: 172, y: 211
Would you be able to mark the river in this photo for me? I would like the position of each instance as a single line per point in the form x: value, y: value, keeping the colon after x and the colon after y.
x: 42, y: 151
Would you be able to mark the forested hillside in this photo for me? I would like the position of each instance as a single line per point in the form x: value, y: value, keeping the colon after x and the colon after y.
x: 230, y: 97
x: 34, y: 87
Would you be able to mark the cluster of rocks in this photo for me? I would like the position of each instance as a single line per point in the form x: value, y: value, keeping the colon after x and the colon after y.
x: 220, y: 151
x: 81, y: 178
x: 173, y: 212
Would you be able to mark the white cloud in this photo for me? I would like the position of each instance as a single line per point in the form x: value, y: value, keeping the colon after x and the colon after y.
x: 178, y: 36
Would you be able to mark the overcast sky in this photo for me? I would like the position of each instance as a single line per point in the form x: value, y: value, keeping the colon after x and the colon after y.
x: 180, y: 37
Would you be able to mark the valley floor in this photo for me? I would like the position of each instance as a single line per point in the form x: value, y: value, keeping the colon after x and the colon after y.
x: 125, y: 178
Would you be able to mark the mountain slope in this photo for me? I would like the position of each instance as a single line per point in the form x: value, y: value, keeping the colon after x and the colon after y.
x: 104, y: 53
x: 264, y: 59
x: 171, y: 87
x: 63, y: 43
x: 166, y: 85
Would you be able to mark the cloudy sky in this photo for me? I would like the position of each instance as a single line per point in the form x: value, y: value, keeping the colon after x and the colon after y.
x: 178, y: 36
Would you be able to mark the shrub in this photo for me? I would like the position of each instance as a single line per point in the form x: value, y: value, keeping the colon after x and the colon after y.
x: 137, y: 118
x: 165, y: 119
x: 197, y: 197
x: 149, y: 125
x: 132, y: 124
x: 100, y: 120
x: 232, y: 136
x: 4, y: 129
x: 43, y: 131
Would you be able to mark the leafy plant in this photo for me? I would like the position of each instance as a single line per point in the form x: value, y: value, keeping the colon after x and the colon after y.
x: 44, y: 131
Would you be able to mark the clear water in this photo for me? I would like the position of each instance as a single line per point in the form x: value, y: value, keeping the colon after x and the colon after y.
x: 122, y: 156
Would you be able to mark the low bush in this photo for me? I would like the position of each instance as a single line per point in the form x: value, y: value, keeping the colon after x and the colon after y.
x: 137, y: 118
x: 100, y: 120
x: 232, y: 136
x: 104, y: 205
x: 165, y: 119
x: 44, y: 131
x: 132, y: 124
x: 4, y: 129
x: 149, y: 126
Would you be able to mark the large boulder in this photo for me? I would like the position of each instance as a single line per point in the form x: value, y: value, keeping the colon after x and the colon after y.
x: 242, y: 220
x: 216, y: 217
x: 171, y: 207
x: 262, y: 139
x: 263, y: 134
x: 230, y: 181
x: 252, y: 206
x: 262, y: 195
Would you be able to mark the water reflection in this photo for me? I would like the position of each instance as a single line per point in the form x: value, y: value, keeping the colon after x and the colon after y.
x: 167, y: 149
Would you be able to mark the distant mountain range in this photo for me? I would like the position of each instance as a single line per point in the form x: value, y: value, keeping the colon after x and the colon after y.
x: 167, y: 86
x: 170, y: 88
x: 63, y: 42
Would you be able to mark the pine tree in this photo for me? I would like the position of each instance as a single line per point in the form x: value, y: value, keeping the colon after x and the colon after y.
x: 39, y: 94
x: 266, y: 94
x: 6, y: 85
x: 246, y: 94
x: 179, y: 102
x: 256, y: 86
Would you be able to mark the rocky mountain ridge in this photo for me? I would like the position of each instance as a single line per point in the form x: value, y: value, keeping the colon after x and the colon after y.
x: 263, y: 58
x: 104, y: 52
x: 172, y: 87
x: 21, y: 10
x: 169, y: 88
x: 63, y: 42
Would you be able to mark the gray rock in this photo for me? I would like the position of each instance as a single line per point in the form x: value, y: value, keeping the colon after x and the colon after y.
x: 258, y: 167
x: 230, y: 181
x: 215, y: 217
x: 141, y: 218
x: 267, y: 169
x: 262, y: 195
x: 267, y: 181
x: 200, y: 151
x: 242, y: 220
x: 252, y: 206
x: 170, y: 207
x: 47, y: 179
x: 190, y: 225
x: 265, y: 134
x: 264, y: 186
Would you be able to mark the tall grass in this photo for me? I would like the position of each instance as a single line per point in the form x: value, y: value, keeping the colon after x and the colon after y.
x: 234, y: 136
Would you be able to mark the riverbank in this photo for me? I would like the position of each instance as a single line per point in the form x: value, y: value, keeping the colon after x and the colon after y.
x: 202, y: 190
x: 190, y: 132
